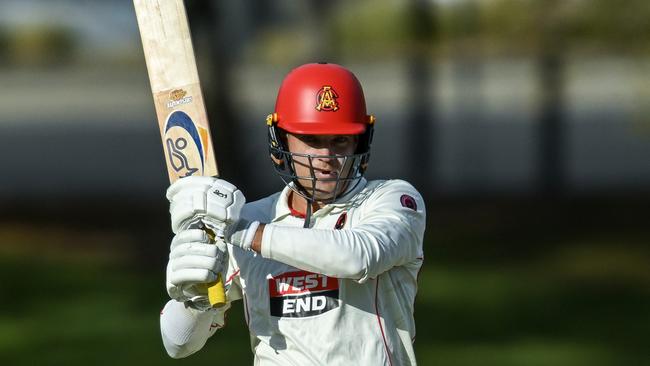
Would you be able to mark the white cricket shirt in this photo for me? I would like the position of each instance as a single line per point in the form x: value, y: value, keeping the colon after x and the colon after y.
x: 338, y: 293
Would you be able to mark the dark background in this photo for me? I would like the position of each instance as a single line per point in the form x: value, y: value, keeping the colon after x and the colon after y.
x: 523, y: 123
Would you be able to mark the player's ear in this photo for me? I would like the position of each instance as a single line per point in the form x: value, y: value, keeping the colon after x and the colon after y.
x: 277, y: 161
x: 356, y: 142
x: 283, y: 145
x: 282, y: 136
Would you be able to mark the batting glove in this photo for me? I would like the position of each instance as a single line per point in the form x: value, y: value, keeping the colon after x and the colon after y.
x: 204, y: 200
x: 194, y: 262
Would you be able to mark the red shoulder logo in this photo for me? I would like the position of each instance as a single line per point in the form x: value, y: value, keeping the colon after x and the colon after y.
x: 408, y: 202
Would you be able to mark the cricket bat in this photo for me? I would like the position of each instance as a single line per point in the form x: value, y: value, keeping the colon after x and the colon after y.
x: 180, y: 110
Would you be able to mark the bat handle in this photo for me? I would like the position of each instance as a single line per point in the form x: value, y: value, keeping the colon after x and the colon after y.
x: 216, y: 289
x: 217, y: 292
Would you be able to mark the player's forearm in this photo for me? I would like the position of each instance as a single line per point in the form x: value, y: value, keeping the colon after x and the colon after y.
x: 363, y: 252
x: 184, y: 330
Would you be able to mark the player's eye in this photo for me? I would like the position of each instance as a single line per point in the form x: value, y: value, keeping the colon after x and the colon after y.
x: 342, y: 140
x: 308, y: 139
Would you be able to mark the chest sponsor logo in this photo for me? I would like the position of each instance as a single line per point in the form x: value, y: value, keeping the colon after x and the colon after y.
x: 302, y: 294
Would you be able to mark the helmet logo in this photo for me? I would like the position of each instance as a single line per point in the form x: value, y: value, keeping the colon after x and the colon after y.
x: 327, y: 99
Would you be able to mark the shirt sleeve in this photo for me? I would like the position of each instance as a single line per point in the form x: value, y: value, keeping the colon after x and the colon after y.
x: 389, y: 233
x: 185, y: 330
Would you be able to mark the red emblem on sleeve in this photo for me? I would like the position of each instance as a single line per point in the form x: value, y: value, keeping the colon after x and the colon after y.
x: 341, y: 221
x: 408, y: 202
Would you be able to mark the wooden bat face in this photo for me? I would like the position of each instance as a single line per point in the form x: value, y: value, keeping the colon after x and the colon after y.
x: 180, y: 109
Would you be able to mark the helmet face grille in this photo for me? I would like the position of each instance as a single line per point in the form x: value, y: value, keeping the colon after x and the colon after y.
x: 346, y: 178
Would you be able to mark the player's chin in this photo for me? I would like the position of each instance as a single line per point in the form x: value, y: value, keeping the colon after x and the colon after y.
x: 327, y: 190
x: 323, y: 190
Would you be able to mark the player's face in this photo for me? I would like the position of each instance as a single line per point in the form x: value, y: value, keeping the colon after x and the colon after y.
x: 328, y: 161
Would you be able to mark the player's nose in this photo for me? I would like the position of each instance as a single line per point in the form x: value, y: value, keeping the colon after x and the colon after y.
x: 323, y: 151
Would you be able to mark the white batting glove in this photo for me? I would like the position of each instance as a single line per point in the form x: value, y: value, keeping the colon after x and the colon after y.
x: 211, y: 201
x: 194, y: 262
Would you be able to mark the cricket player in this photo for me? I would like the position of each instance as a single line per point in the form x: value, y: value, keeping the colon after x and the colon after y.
x: 327, y: 268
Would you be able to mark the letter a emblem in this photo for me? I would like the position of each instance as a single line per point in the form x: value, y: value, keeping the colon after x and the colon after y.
x: 326, y: 99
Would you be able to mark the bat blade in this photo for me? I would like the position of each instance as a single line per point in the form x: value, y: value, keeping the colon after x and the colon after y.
x: 176, y: 88
x: 180, y: 109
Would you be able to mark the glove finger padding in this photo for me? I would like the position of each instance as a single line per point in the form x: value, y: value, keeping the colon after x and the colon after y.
x: 190, y: 236
x: 196, y: 262
x: 191, y: 276
x: 193, y: 264
x: 190, y: 183
x: 214, y: 201
x: 183, y: 285
x: 196, y: 249
x: 185, y: 292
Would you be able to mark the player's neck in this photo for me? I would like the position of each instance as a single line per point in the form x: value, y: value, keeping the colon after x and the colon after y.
x: 298, y: 204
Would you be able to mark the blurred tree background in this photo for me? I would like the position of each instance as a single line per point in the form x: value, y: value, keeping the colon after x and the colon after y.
x: 523, y: 122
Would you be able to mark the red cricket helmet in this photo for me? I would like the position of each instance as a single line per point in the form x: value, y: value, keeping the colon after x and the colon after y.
x: 321, y: 99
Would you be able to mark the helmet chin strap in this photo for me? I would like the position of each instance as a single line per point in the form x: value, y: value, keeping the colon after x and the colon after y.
x: 307, y: 214
x: 310, y: 202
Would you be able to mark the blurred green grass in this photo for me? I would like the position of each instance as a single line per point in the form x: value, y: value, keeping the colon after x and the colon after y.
x: 484, y: 298
x: 88, y: 313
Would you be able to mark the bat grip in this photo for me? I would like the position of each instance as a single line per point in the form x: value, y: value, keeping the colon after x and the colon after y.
x: 217, y: 292
x: 216, y: 289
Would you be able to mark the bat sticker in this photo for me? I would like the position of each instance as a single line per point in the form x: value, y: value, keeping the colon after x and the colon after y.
x: 177, y: 159
x: 178, y: 97
x: 183, y: 141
